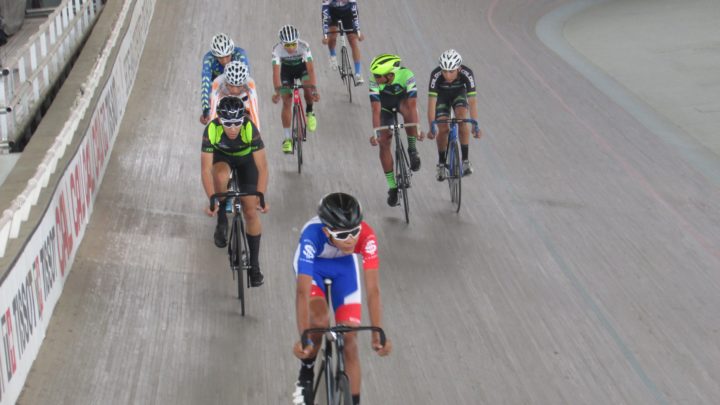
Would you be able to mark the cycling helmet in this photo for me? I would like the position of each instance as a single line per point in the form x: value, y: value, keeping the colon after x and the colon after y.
x: 450, y: 60
x: 340, y: 211
x: 384, y: 64
x: 222, y: 45
x: 288, y: 34
x: 236, y: 73
x: 231, y: 109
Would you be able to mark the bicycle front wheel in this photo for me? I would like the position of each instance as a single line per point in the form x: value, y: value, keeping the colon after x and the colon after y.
x: 402, y: 178
x: 455, y: 174
x: 343, y: 396
x: 236, y: 240
x: 347, y: 71
x: 298, y: 134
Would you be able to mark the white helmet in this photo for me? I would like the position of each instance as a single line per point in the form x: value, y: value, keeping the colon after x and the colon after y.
x: 450, y: 60
x: 222, y: 45
x: 236, y: 73
x: 288, y: 34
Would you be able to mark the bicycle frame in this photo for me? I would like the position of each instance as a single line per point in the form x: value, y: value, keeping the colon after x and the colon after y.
x: 334, y: 336
x: 402, y: 161
x: 453, y: 162
x: 345, y: 69
x: 238, y: 250
x: 298, y: 122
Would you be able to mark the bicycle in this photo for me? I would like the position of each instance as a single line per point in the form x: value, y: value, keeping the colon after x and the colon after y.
x: 402, y: 162
x: 453, y: 161
x: 238, y: 250
x: 337, y: 384
x: 345, y: 68
x: 299, y: 124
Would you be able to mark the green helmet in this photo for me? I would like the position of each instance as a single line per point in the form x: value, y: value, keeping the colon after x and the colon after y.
x: 384, y: 64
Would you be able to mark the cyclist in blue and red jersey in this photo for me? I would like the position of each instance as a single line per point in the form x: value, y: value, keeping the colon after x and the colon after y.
x: 222, y: 51
x: 327, y: 248
x: 347, y: 12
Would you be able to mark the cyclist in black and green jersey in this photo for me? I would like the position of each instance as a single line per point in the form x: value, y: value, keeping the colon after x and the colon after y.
x: 393, y: 86
x: 233, y: 141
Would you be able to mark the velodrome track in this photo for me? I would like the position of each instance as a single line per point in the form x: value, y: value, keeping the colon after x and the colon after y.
x: 583, y: 267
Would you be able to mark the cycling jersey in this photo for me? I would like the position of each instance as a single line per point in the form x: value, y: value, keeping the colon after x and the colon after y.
x: 463, y: 84
x: 315, y: 256
x: 212, y: 69
x: 216, y: 140
x: 389, y: 95
x: 300, y: 54
x: 340, y: 10
x: 248, y: 96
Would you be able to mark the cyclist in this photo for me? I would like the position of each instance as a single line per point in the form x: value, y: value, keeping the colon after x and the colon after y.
x: 222, y: 51
x: 326, y: 249
x: 393, y: 86
x: 236, y: 81
x: 452, y: 85
x: 291, y: 59
x: 232, y: 140
x: 347, y: 12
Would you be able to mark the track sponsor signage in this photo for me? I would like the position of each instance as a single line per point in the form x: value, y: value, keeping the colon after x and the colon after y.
x: 33, y: 286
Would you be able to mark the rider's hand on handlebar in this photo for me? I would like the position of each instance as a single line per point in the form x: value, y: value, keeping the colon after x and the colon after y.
x: 477, y: 133
x: 373, y: 140
x: 325, y: 40
x: 360, y: 36
x: 301, y: 352
x: 262, y: 209
x: 381, y: 350
x: 212, y: 211
x: 275, y: 98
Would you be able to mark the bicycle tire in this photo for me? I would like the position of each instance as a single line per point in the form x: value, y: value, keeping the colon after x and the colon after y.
x: 402, y: 177
x: 347, y: 71
x: 241, y: 258
x: 455, y: 174
x: 343, y: 396
x: 297, y: 135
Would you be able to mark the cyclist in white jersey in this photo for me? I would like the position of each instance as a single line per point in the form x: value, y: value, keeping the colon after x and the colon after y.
x: 291, y: 59
x: 236, y: 81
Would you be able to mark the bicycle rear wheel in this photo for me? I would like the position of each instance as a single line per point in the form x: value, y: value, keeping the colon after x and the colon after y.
x: 455, y: 174
x: 298, y: 134
x: 236, y: 241
x: 347, y: 71
x: 343, y: 396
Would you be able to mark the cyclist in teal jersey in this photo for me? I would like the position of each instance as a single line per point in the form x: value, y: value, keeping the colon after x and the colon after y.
x: 393, y: 86
x: 222, y: 51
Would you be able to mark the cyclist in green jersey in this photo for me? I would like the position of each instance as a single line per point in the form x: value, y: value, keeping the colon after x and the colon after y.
x: 233, y: 141
x: 393, y: 86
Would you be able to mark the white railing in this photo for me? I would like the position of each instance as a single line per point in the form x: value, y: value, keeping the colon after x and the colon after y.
x: 27, y: 77
x: 19, y: 209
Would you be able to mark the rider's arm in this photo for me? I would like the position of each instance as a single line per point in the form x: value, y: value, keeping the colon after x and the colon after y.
x: 302, y: 302
x: 276, y: 78
x: 206, y: 164
x: 241, y: 55
x: 432, y: 103
x: 325, y: 16
x: 260, y: 161
x: 372, y: 287
x: 356, y: 15
x: 206, y: 83
x: 375, y: 105
x: 311, y: 73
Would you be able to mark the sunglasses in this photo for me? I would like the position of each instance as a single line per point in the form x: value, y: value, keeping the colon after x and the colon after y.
x: 344, y: 235
x: 378, y: 76
x: 290, y: 45
x: 232, y: 123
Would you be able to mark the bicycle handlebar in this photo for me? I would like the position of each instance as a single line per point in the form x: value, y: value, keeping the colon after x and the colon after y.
x: 215, y: 198
x: 342, y: 329
x: 455, y: 121
x: 392, y: 127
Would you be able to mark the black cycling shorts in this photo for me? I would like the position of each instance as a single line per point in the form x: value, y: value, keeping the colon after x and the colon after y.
x: 244, y: 167
x: 447, y: 100
x: 288, y: 74
x: 346, y: 16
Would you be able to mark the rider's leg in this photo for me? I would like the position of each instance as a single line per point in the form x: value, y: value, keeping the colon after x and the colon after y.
x: 386, y: 157
x: 332, y: 39
x: 461, y: 111
x: 352, y: 360
x: 286, y: 115
x: 408, y: 109
x: 353, y: 39
x: 221, y: 174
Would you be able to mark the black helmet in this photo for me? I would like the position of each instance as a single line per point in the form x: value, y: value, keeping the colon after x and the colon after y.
x: 340, y: 211
x: 230, y: 109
